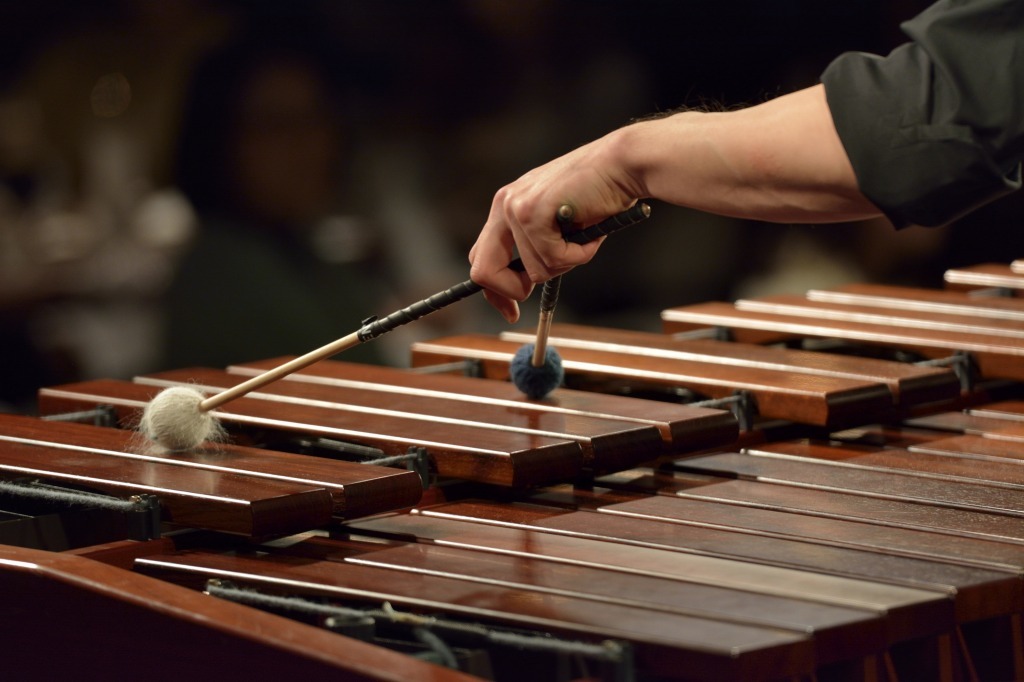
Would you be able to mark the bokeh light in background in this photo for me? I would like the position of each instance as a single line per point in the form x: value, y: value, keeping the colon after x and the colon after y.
x: 447, y: 101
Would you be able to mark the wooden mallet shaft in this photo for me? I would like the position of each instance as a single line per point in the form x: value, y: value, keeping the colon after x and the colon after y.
x: 280, y: 371
x: 374, y: 327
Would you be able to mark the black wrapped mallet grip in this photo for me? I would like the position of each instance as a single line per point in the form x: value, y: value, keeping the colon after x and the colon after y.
x: 373, y: 327
x: 549, y: 294
x: 638, y: 212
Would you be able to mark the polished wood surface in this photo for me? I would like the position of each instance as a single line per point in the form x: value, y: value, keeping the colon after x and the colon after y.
x: 683, y: 427
x: 943, y: 459
x: 197, y: 498
x: 996, y: 356
x: 68, y: 616
x: 814, y: 502
x: 986, y: 275
x: 1009, y: 410
x: 887, y: 484
x: 910, y: 384
x: 910, y: 611
x: 667, y: 642
x: 883, y: 543
x: 863, y: 533
x: 486, y: 455
x: 355, y: 489
x: 808, y: 399
x: 899, y: 317
x: 839, y: 632
x: 942, y: 301
x: 608, y: 444
x: 967, y: 421
x: 970, y: 586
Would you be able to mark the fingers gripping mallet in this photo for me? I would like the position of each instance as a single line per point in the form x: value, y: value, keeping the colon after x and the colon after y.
x: 179, y: 418
x: 536, y: 368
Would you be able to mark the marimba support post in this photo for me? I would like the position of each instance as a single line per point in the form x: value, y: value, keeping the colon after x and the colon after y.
x: 101, y: 415
x: 416, y: 458
x: 741, y: 404
x: 963, y: 365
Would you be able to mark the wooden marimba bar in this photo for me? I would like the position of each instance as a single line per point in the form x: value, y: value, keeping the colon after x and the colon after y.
x: 852, y: 517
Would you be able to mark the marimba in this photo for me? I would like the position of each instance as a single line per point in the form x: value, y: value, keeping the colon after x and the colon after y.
x: 818, y: 487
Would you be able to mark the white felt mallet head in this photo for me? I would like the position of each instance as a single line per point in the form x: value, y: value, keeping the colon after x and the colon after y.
x: 174, y: 420
x: 180, y: 418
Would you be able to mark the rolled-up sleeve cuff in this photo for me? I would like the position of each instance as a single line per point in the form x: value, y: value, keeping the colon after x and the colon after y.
x: 913, y: 169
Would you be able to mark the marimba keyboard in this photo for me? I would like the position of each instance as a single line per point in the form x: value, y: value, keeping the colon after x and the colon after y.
x: 863, y: 519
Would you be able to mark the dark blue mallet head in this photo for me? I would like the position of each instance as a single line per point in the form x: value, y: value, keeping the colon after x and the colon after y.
x: 536, y: 369
x: 536, y: 382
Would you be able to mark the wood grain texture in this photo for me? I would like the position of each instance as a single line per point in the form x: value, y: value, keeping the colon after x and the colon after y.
x: 682, y: 427
x: 887, y: 485
x: 996, y: 357
x: 355, y: 489
x: 607, y: 444
x: 125, y: 622
x: 910, y: 612
x: 791, y: 522
x: 468, y: 452
x: 224, y: 501
x: 943, y: 459
x: 910, y: 384
x: 985, y: 275
x: 803, y: 398
x: 941, y: 301
x: 979, y: 592
x: 814, y: 502
x: 901, y: 317
x: 667, y: 644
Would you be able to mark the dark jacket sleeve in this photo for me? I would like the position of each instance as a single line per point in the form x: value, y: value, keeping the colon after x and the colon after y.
x: 936, y: 128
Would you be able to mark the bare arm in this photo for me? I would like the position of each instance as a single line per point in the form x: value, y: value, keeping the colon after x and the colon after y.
x: 779, y: 161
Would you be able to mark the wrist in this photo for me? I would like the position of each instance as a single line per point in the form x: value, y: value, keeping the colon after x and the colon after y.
x: 629, y: 153
x: 644, y: 151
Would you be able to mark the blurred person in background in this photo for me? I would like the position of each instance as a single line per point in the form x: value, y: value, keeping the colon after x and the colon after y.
x: 282, y: 262
x: 89, y: 94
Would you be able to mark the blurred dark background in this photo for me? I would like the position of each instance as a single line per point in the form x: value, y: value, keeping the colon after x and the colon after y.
x: 201, y: 182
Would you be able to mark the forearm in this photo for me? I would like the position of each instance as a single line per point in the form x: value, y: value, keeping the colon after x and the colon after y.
x: 779, y: 161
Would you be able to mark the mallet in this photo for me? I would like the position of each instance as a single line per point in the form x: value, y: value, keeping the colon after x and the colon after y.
x: 179, y: 418
x: 536, y: 368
